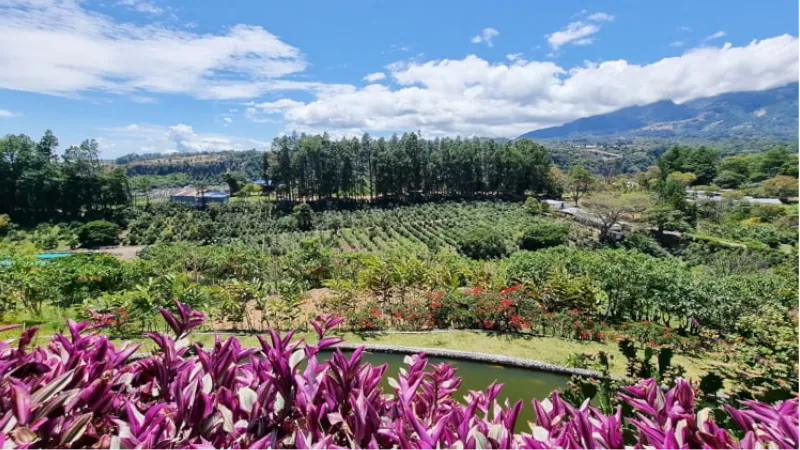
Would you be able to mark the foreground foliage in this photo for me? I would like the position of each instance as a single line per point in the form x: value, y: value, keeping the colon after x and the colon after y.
x: 82, y: 391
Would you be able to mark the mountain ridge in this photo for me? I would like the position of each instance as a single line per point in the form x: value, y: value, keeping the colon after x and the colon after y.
x: 771, y: 113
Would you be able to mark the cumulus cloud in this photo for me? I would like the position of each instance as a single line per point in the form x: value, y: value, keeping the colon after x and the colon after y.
x: 7, y: 113
x: 136, y: 138
x: 373, y: 77
x: 59, y: 47
x: 485, y: 36
x: 472, y: 96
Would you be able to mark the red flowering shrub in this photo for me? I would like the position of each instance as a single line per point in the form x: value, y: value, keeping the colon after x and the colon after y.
x: 367, y: 318
x: 512, y: 309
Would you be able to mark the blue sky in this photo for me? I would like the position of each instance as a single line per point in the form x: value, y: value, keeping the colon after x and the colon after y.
x: 158, y: 75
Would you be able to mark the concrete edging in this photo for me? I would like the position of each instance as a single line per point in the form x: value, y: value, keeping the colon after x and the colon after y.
x: 474, y: 356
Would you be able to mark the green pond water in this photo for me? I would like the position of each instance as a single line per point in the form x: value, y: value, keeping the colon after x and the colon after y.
x: 523, y: 384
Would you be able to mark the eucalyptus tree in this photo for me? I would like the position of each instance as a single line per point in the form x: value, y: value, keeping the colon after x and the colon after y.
x: 36, y: 185
x: 318, y: 167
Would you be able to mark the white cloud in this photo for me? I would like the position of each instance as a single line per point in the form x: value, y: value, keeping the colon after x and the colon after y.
x: 142, y: 6
x: 515, y: 57
x: 227, y: 121
x: 485, y: 36
x: 59, y: 47
x: 143, y: 99
x: 677, y: 43
x: 138, y: 138
x: 717, y: 35
x: 574, y: 32
x: 7, y: 113
x: 376, y: 76
x: 472, y: 96
x: 601, y: 17
x: 578, y: 32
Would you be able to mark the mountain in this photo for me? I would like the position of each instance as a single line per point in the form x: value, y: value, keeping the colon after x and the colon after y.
x: 770, y: 114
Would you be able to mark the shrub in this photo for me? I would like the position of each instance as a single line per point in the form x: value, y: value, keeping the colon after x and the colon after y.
x: 249, y: 189
x: 645, y: 244
x: 5, y: 224
x: 544, y: 234
x: 534, y: 207
x: 482, y: 243
x: 768, y: 213
x: 83, y: 391
x: 98, y: 233
x: 304, y: 216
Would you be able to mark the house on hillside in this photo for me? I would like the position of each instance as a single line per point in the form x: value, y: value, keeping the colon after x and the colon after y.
x: 555, y: 205
x: 266, y: 185
x: 191, y: 196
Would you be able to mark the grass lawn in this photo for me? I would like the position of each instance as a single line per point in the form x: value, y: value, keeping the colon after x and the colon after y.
x: 545, y: 349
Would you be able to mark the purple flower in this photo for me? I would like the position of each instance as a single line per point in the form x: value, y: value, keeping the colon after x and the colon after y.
x: 83, y: 391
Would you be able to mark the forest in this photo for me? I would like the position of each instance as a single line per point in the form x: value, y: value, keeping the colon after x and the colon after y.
x: 39, y: 185
x: 462, y: 241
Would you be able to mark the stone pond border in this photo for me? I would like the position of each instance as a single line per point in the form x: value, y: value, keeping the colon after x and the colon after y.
x: 489, y: 358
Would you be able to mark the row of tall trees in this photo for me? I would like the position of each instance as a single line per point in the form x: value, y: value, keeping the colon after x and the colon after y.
x: 36, y: 184
x: 307, y: 167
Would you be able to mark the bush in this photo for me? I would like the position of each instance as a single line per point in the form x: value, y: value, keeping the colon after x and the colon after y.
x: 98, y: 233
x: 534, y: 207
x: 482, y: 243
x: 543, y: 235
x: 768, y: 213
x: 304, y: 216
x: 645, y: 244
x: 5, y: 224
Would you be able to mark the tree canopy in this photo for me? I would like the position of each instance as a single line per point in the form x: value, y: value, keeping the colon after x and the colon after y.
x: 308, y: 167
x: 38, y: 185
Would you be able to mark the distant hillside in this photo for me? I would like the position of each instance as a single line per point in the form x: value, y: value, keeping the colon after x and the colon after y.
x: 770, y: 114
x: 206, y: 167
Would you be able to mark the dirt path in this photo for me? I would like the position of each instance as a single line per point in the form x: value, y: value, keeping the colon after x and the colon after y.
x: 127, y: 252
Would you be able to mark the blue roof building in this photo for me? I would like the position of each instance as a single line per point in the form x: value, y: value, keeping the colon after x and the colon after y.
x: 190, y: 195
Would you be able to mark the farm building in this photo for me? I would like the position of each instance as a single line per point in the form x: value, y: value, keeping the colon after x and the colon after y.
x: 190, y: 195
x: 555, y: 205
x: 266, y: 185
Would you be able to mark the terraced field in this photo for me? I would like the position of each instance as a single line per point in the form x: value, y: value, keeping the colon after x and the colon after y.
x: 433, y: 225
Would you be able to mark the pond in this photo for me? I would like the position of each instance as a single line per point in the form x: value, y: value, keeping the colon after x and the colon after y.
x: 42, y: 257
x: 52, y: 255
x: 517, y: 383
